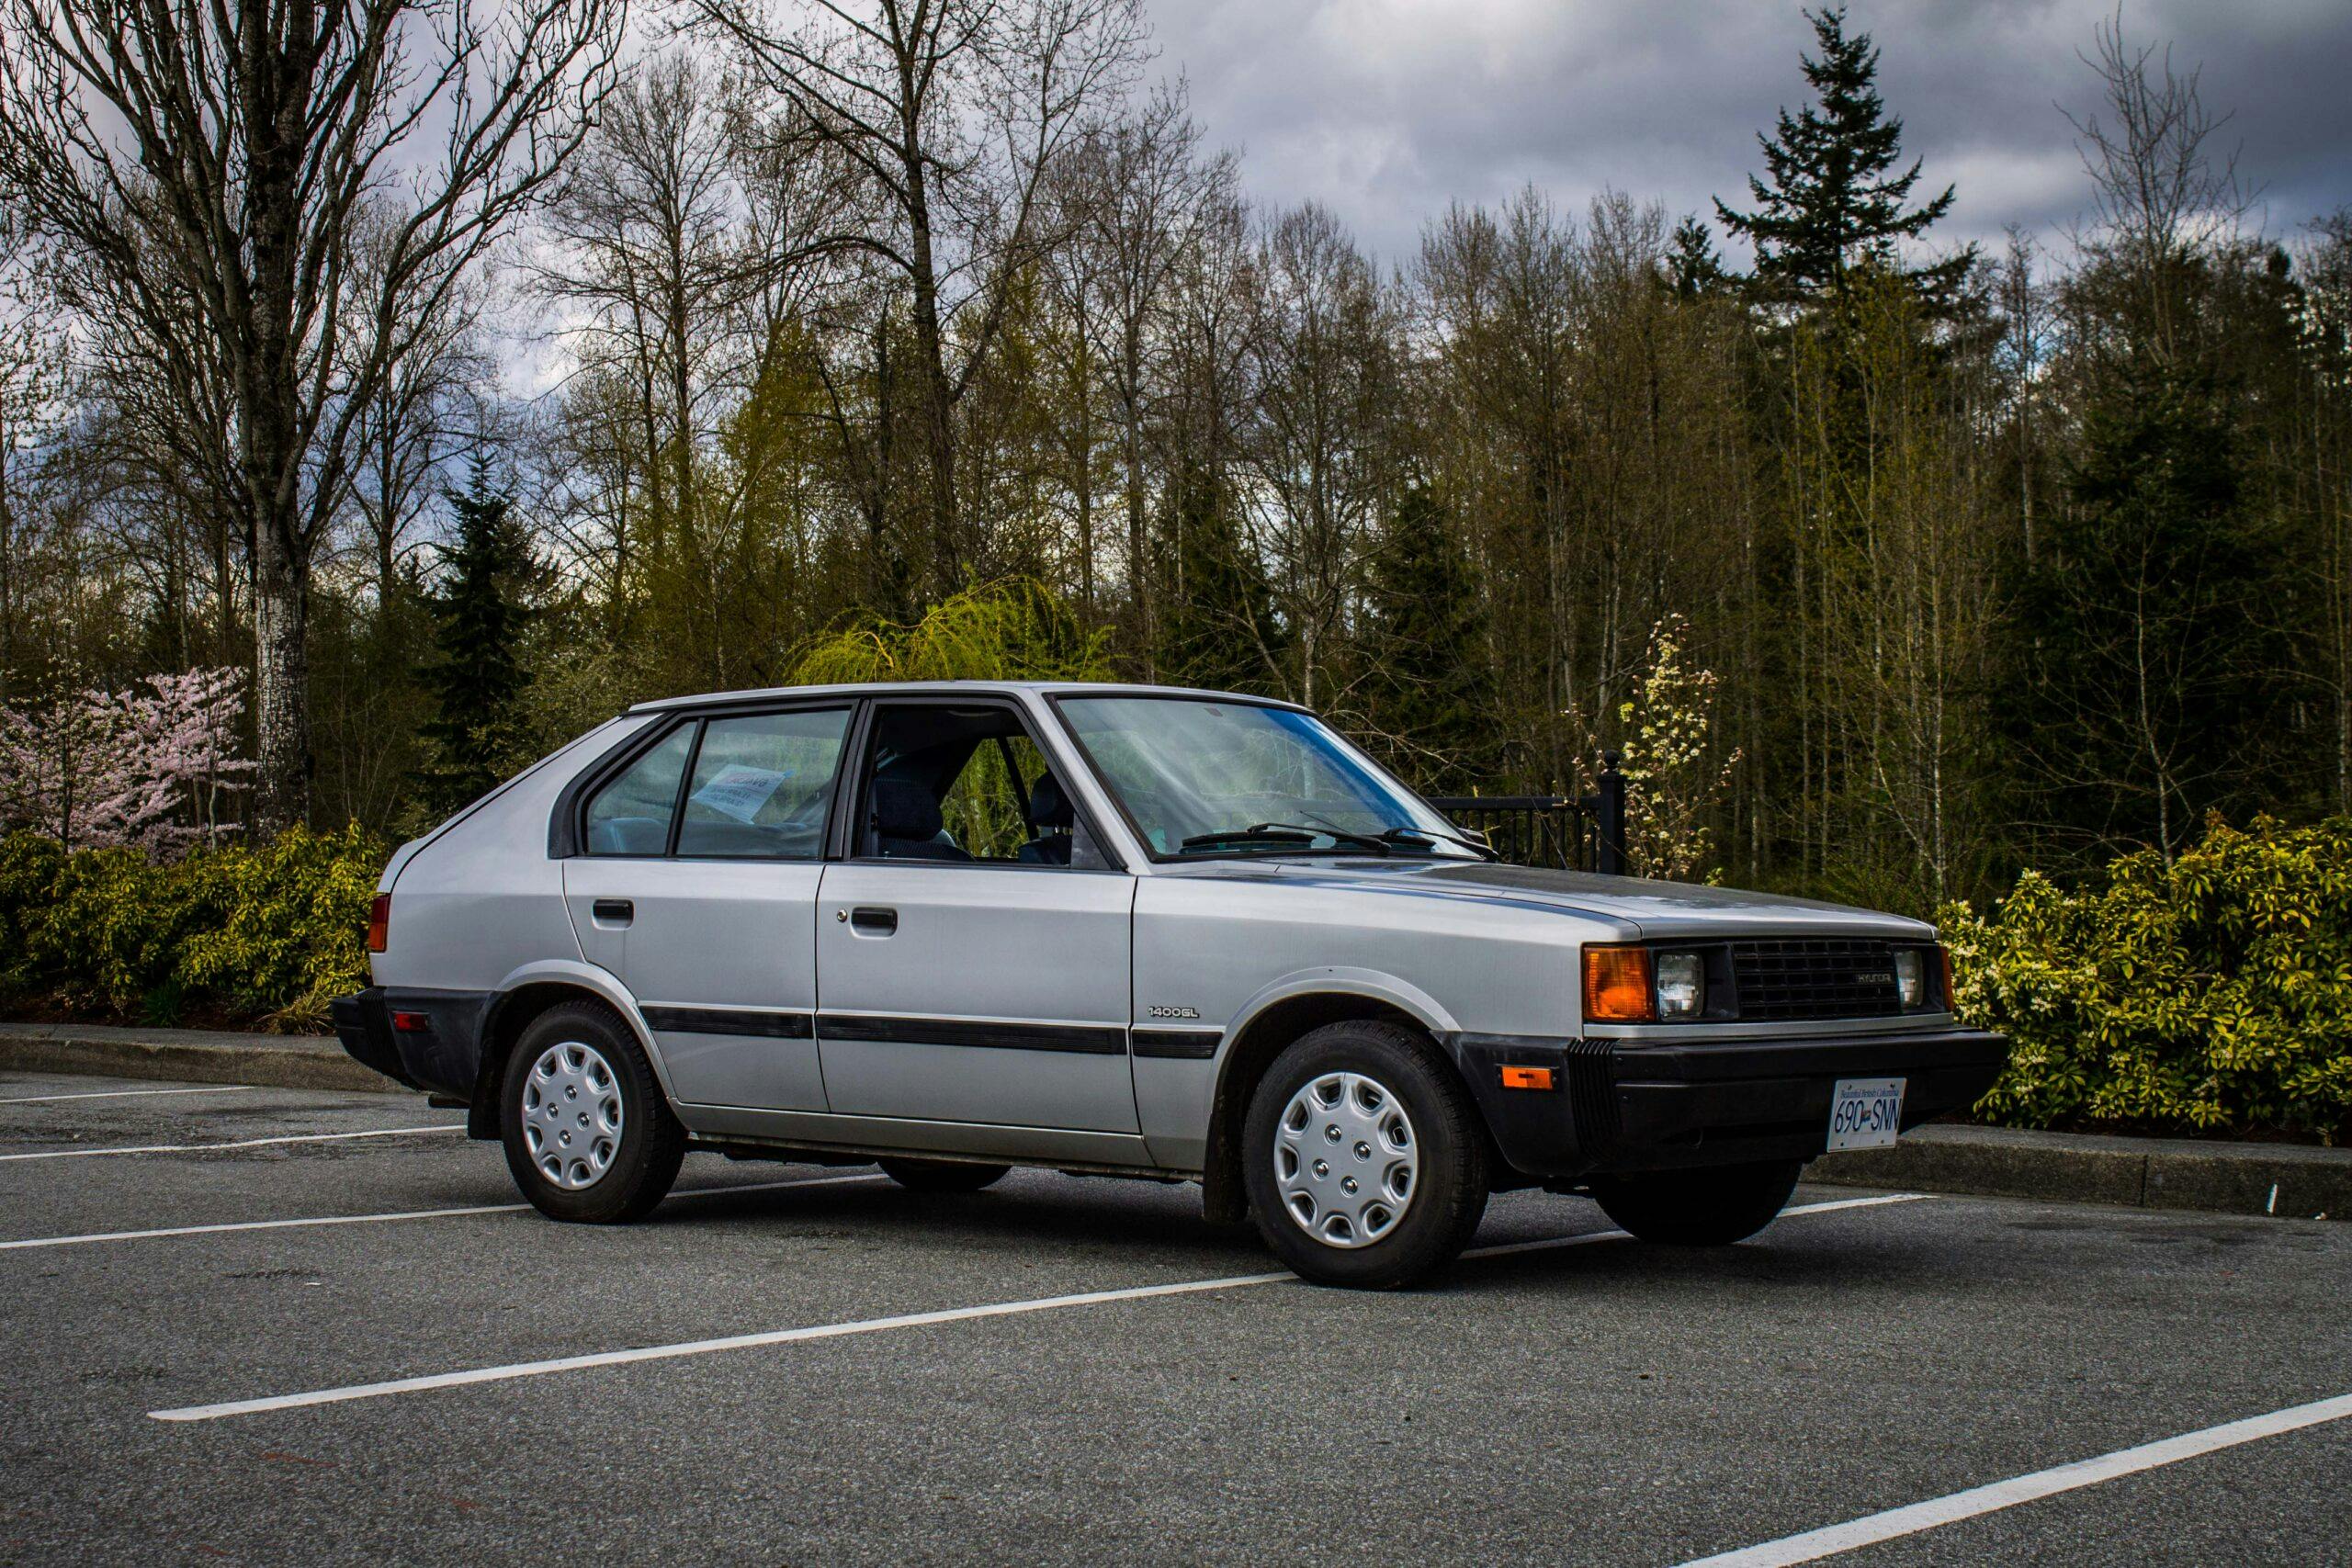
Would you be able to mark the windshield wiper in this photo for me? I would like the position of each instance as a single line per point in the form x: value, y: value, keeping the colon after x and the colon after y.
x: 1401, y: 835
x: 1284, y: 834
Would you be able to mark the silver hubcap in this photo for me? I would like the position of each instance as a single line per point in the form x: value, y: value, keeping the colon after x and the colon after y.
x: 1346, y: 1161
x: 572, y: 1115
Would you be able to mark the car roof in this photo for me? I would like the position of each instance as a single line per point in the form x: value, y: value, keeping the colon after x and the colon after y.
x: 952, y: 689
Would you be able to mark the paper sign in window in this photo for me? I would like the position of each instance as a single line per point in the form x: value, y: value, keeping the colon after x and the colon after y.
x: 739, y: 791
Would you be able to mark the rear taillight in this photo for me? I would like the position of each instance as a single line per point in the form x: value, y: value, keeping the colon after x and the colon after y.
x: 380, y: 923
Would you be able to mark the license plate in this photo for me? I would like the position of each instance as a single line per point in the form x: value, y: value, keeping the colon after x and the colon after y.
x: 1865, y: 1114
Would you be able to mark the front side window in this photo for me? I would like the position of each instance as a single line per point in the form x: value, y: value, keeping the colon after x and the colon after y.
x: 1218, y: 778
x: 631, y: 815
x: 955, y: 784
x: 762, y: 785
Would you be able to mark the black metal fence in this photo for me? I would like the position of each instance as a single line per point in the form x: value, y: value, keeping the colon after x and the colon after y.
x: 1584, y: 833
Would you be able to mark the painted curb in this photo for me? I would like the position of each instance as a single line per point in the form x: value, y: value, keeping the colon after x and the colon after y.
x: 2283, y: 1180
x: 188, y: 1056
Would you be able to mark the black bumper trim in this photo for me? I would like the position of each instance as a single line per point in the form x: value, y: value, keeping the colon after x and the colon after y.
x: 769, y: 1025
x: 1644, y: 1106
x: 1177, y: 1044
x: 442, y: 1057
x: 364, y: 1024
x: 1081, y: 1039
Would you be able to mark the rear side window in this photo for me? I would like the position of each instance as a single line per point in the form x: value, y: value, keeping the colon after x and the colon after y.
x: 631, y: 815
x: 762, y: 785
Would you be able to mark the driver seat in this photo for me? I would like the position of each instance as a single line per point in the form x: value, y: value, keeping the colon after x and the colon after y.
x: 1052, y: 819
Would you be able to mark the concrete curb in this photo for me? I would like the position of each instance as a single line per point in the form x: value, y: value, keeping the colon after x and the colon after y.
x: 190, y: 1055
x: 2288, y: 1181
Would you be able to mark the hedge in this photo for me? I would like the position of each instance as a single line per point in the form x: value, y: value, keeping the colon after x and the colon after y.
x: 2211, y: 996
x: 261, y: 934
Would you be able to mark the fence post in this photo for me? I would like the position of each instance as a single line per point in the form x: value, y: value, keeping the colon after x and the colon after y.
x: 1608, y: 827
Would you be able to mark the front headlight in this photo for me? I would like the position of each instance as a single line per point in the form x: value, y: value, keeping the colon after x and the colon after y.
x: 1681, y: 985
x: 1910, y: 978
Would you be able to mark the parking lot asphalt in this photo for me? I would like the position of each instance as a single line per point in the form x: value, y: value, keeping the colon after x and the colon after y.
x: 1599, y: 1400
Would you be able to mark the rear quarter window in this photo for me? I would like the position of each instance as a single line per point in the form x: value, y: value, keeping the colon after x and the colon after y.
x: 631, y: 815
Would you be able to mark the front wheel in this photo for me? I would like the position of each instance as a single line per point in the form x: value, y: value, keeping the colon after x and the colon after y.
x: 1363, y: 1157
x: 1712, y: 1206
x: 589, y: 1134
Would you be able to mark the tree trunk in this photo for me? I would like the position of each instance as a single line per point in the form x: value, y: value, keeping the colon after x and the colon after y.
x: 281, y: 683
x: 938, y: 411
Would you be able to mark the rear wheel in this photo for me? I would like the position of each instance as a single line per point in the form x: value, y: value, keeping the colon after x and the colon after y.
x: 1363, y: 1157
x: 942, y: 1174
x: 589, y: 1134
x: 1712, y: 1206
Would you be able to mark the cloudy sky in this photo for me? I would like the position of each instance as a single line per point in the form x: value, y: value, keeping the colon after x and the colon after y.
x: 1387, y: 109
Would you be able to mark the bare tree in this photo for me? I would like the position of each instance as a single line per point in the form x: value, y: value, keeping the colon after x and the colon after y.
x: 2164, y: 191
x: 1321, y: 452
x: 429, y: 404
x: 1151, y: 194
x: 29, y: 395
x: 203, y: 171
x: 644, y: 227
x: 951, y: 112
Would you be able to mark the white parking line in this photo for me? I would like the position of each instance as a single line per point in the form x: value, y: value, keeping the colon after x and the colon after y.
x: 126, y: 1093
x: 240, y: 1143
x: 381, y: 1219
x: 1895, y: 1523
x: 841, y: 1330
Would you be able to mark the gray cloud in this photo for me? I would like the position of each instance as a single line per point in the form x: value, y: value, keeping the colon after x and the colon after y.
x: 1388, y: 109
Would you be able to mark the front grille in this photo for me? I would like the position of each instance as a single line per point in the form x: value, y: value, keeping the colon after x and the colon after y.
x: 1813, y: 978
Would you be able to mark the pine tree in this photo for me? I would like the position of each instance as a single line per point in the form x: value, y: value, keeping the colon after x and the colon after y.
x: 478, y: 620
x: 1216, y: 625
x: 1694, y: 270
x: 1832, y: 198
x: 1429, y: 694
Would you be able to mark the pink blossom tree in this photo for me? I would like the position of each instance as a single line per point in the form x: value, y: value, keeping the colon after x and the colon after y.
x: 154, y: 766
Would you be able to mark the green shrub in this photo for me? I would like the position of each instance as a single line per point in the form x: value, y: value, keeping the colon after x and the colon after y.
x: 261, y: 933
x: 2212, y: 995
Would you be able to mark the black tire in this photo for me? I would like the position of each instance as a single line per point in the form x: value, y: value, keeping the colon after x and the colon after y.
x: 1447, y: 1195
x: 643, y: 1161
x: 1711, y: 1206
x: 942, y: 1174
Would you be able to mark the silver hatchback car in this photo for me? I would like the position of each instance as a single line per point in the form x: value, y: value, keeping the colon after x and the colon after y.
x: 1121, y: 931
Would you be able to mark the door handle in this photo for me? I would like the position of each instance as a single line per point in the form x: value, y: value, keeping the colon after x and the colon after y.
x: 870, y: 922
x: 613, y: 911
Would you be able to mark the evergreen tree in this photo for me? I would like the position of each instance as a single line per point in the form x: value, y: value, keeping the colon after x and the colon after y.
x: 2155, y: 695
x: 1832, y: 196
x: 1430, y: 690
x: 479, y: 617
x: 1694, y: 270
x: 1216, y: 626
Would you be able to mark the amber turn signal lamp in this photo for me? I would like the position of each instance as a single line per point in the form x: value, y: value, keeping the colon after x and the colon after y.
x: 1527, y: 1077
x: 1943, y: 959
x: 380, y: 923
x: 1617, y: 985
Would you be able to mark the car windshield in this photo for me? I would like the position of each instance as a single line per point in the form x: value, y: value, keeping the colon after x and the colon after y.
x: 1202, y: 778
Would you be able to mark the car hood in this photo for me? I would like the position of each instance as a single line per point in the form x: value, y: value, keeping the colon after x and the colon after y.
x: 1650, y: 909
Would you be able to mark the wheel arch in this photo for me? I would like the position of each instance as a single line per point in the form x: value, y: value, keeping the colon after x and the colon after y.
x: 524, y: 996
x: 1269, y: 1022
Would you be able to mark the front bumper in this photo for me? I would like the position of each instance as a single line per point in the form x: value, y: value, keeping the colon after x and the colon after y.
x: 1621, y: 1105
